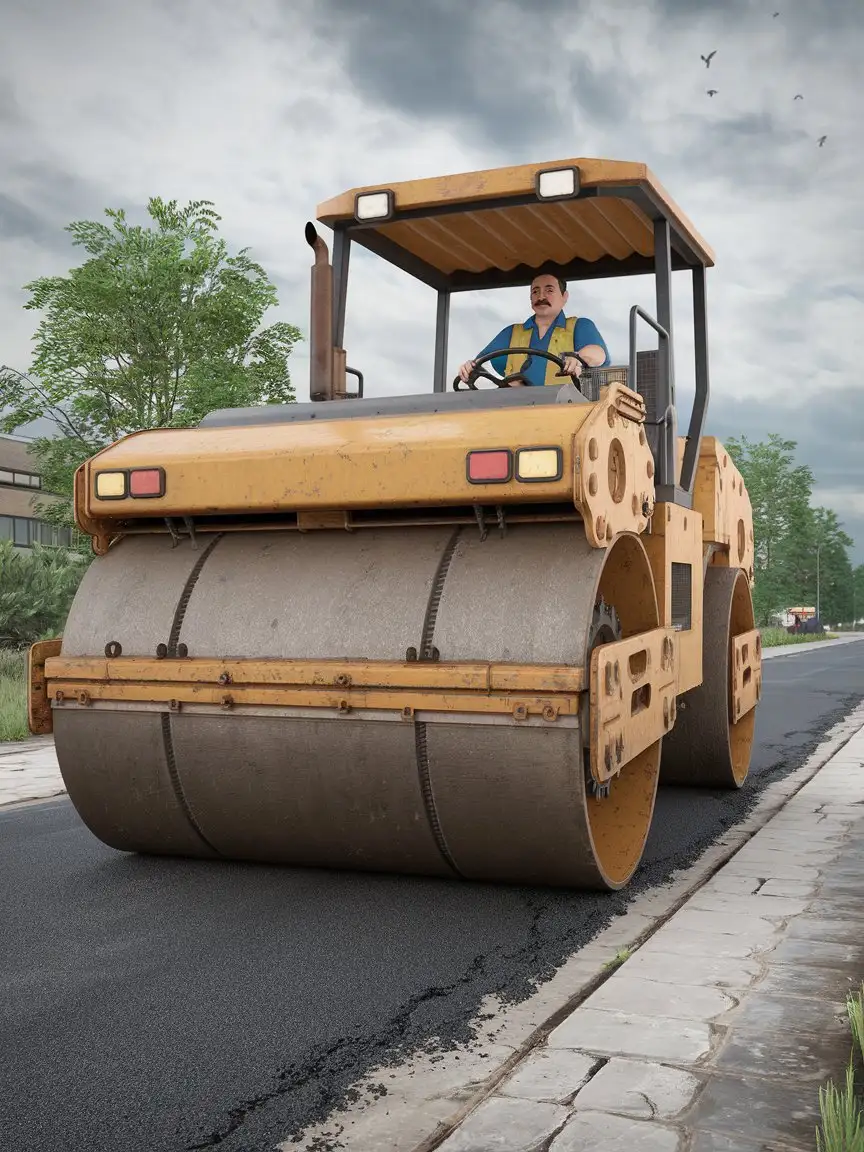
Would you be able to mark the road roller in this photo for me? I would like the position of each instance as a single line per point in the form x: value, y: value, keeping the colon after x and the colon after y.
x: 462, y: 631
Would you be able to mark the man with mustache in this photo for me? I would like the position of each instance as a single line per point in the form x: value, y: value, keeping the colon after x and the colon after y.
x: 575, y: 339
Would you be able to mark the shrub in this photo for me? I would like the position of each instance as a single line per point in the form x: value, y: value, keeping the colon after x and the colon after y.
x: 37, y: 586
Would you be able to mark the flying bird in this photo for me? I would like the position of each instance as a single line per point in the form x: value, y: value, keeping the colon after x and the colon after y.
x: 822, y: 140
x: 707, y: 58
x: 799, y: 97
x: 712, y: 91
x: 776, y: 14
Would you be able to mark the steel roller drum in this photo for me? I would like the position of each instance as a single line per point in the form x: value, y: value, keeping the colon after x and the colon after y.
x: 451, y: 795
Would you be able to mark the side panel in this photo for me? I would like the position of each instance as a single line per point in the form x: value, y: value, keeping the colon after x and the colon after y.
x: 674, y: 548
x: 721, y: 498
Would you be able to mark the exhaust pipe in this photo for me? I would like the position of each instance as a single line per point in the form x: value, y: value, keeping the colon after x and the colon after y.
x: 321, y: 321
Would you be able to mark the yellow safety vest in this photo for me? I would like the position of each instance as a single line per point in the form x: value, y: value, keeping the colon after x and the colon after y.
x: 560, y: 344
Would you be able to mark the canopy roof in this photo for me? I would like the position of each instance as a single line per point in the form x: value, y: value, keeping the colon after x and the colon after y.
x: 491, y: 229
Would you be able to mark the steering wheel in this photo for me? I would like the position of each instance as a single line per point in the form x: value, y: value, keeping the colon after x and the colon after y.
x: 504, y: 381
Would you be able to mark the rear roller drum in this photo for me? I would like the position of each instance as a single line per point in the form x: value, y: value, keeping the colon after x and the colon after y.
x: 705, y: 749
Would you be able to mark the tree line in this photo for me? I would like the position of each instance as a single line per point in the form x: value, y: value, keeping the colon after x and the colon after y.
x: 802, y: 552
x: 162, y: 324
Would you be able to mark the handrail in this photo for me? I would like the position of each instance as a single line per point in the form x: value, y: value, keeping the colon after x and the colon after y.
x: 636, y: 311
x: 667, y: 457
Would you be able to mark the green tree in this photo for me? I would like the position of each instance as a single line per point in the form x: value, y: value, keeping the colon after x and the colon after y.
x: 791, y: 536
x: 779, y: 493
x: 157, y: 327
x: 858, y: 593
x: 834, y: 570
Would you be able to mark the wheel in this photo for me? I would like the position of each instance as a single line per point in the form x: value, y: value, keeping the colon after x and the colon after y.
x: 705, y: 749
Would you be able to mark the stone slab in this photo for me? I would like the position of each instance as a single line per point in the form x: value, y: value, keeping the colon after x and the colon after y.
x: 675, y: 941
x: 753, y: 928
x: 643, y: 997
x: 599, y: 1132
x: 646, y: 1091
x: 765, y: 907
x: 502, y: 1125
x: 815, y: 953
x: 778, y: 1115
x: 802, y: 1058
x: 735, y: 974
x: 788, y: 888
x: 552, y: 1077
x: 829, y: 931
x: 622, y: 1034
x: 793, y: 1015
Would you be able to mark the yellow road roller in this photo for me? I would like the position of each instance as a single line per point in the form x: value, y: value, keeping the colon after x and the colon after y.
x: 463, y: 632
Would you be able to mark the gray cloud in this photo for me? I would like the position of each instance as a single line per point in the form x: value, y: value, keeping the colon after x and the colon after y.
x: 494, y: 68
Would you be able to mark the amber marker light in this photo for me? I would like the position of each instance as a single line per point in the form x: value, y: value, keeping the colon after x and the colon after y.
x: 534, y: 464
x: 111, y: 485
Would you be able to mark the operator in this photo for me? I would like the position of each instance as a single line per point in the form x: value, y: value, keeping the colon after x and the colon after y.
x: 575, y: 339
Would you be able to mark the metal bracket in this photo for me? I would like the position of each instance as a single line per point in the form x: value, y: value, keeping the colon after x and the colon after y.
x: 190, y: 527
x: 481, y: 522
x: 175, y: 535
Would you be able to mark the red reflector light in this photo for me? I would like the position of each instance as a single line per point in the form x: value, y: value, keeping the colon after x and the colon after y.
x: 147, y: 482
x: 495, y: 464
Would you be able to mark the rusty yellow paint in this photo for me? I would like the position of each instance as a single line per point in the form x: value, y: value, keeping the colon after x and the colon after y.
x: 334, y: 464
x: 676, y: 538
x: 633, y: 686
x: 746, y: 673
x: 475, y: 676
x: 38, y: 694
x: 503, y: 237
x: 319, y: 473
x: 722, y: 499
x: 614, y: 481
x: 342, y: 700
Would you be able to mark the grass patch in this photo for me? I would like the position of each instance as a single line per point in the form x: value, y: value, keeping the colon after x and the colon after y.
x: 13, y: 695
x: 620, y: 956
x: 842, y: 1109
x: 775, y: 637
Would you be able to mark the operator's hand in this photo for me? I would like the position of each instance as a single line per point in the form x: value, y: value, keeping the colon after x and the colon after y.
x: 465, y: 371
x: 572, y: 366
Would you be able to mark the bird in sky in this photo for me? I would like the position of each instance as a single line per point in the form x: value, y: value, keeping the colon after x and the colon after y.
x: 707, y: 58
x: 712, y: 91
x: 799, y: 97
x: 822, y: 140
x: 776, y: 14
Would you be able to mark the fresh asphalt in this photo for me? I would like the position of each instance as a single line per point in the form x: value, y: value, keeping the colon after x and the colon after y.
x: 151, y: 1005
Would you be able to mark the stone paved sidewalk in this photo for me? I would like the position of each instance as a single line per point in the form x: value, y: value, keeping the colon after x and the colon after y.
x: 29, y: 771
x: 715, y: 1035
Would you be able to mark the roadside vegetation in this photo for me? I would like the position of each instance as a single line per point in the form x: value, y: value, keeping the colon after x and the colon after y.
x: 775, y: 637
x: 37, y: 586
x: 13, y: 694
x: 842, y: 1109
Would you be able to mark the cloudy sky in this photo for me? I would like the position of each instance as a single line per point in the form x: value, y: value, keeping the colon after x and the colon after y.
x: 269, y: 107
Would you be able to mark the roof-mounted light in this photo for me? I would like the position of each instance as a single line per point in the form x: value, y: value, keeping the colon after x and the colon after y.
x: 557, y: 184
x: 373, y: 205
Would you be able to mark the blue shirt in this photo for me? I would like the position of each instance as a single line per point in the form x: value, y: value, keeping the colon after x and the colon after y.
x: 584, y: 333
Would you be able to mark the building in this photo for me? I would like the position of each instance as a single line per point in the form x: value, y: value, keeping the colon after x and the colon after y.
x: 20, y: 491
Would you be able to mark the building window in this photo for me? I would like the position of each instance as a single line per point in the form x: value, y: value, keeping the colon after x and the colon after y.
x: 24, y: 532
x: 20, y: 479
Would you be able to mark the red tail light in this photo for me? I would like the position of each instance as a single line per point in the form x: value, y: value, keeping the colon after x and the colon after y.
x: 490, y: 466
x: 147, y: 482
